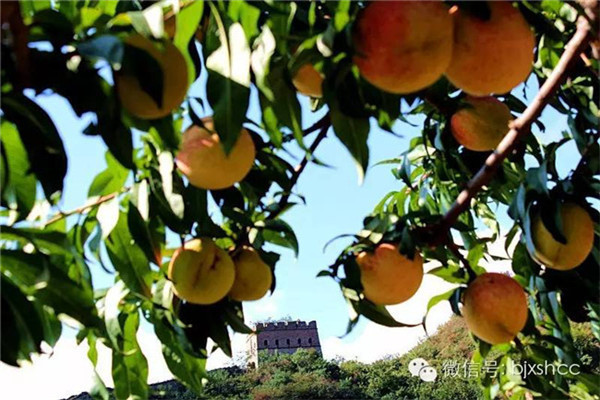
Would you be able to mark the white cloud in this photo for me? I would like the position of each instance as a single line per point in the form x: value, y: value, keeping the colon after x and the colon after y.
x: 267, y: 307
x: 67, y: 371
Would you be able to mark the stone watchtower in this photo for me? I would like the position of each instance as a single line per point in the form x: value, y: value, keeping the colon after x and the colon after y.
x: 283, y: 337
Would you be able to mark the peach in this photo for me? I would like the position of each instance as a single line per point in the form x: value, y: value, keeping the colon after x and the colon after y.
x: 253, y: 277
x: 389, y: 277
x: 577, y: 228
x: 175, y: 81
x: 308, y: 81
x: 203, y: 160
x: 403, y: 46
x: 482, y: 124
x: 491, y: 56
x: 495, y: 308
x: 201, y: 272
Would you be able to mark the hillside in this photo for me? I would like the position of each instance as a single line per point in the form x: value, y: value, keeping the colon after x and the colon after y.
x: 304, y: 375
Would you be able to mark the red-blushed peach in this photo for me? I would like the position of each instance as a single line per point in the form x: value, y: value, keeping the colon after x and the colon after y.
x: 403, y: 46
x: 481, y: 124
x: 203, y: 161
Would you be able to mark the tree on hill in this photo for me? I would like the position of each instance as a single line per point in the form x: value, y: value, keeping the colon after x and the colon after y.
x: 485, y: 168
x: 305, y: 375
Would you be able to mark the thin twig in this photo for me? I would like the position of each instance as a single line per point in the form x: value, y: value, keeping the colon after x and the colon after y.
x: 325, y: 121
x: 454, y: 248
x: 85, y: 207
x: 519, y: 127
x: 324, y: 124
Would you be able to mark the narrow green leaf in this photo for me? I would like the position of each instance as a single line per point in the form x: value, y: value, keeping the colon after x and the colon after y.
x: 129, y: 365
x: 228, y: 85
x: 111, y: 180
x: 45, y: 150
x: 128, y: 259
x: 353, y: 133
x: 187, y: 21
x: 50, y: 285
x: 19, y: 184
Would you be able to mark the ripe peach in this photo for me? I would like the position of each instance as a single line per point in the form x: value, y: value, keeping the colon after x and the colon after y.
x: 578, y: 229
x: 491, y: 56
x: 403, y: 46
x: 253, y: 277
x: 495, y: 308
x: 482, y: 124
x: 308, y: 81
x: 389, y: 277
x: 175, y: 81
x: 202, y: 272
x: 204, y: 162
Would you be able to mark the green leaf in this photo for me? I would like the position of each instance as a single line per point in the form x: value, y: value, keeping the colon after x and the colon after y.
x: 378, y: 314
x: 440, y: 297
x: 171, y: 183
x: 353, y: 133
x: 111, y: 180
x: 149, y: 21
x: 284, y: 111
x: 436, y: 300
x: 264, y: 47
x: 280, y: 233
x: 452, y: 273
x: 116, y: 135
x: 98, y: 390
x: 537, y: 179
x: 25, y: 331
x: 341, y: 17
x: 235, y: 319
x: 48, y: 283
x: 129, y: 365
x: 44, y: 146
x: 108, y: 215
x: 146, y: 238
x: 190, y: 370
x: 147, y: 70
x: 128, y: 259
x: 228, y: 85
x: 19, y: 184
x: 187, y: 21
x: 56, y: 243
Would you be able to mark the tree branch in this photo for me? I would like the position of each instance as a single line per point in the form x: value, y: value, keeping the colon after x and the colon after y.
x: 323, y: 124
x: 519, y: 128
x: 85, y: 207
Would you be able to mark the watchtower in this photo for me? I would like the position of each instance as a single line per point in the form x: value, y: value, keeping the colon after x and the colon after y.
x: 283, y: 337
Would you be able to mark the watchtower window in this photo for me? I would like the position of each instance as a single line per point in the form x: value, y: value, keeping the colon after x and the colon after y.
x: 266, y: 342
x: 288, y: 342
x: 309, y: 340
x: 299, y: 342
x: 277, y: 342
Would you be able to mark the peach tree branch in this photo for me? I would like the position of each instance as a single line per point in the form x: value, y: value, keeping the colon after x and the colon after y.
x: 519, y: 128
